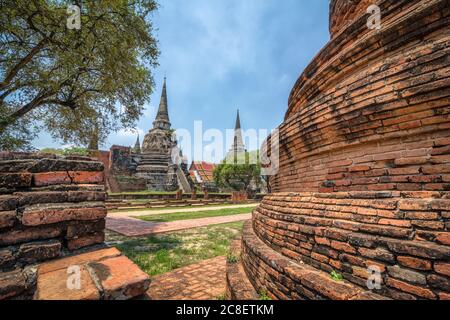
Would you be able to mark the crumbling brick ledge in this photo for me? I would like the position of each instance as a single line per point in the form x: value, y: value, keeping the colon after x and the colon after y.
x: 53, y: 208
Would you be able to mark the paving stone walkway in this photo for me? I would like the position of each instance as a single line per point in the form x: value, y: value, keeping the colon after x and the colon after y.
x: 201, y: 281
x: 132, y: 227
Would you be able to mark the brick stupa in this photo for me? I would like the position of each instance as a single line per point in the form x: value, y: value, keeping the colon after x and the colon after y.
x: 364, y: 177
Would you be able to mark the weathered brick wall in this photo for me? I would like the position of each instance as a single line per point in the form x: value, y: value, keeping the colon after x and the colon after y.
x: 405, y: 234
x: 49, y: 207
x: 369, y: 99
x: 364, y: 175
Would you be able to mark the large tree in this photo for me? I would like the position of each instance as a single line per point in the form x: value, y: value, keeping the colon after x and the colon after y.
x: 78, y: 84
x: 239, y: 173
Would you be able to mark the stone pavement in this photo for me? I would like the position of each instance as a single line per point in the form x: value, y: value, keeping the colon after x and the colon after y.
x: 201, y: 281
x: 132, y: 227
x: 174, y: 210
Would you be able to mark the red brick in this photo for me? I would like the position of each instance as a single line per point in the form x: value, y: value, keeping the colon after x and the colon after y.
x: 7, y: 219
x: 120, y: 278
x: 319, y: 257
x: 51, y: 178
x: 414, y: 263
x: 403, y: 171
x: 395, y: 223
x: 406, y: 287
x: 442, y: 268
x: 414, y: 205
x: 444, y: 296
x: 343, y: 246
x: 78, y: 259
x: 359, y: 168
x: 378, y: 254
x: 323, y: 241
x: 39, y: 251
x: 42, y: 217
x: 443, y: 238
x: 87, y: 177
x: 436, y: 169
x: 443, y: 150
x: 53, y: 286
x: 85, y: 241
x: 411, y: 161
x: 70, y: 177
x: 29, y: 234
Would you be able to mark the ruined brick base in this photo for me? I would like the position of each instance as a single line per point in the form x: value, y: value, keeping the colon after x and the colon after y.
x: 296, y: 240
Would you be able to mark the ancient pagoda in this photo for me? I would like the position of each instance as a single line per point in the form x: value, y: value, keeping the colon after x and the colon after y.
x: 156, y: 165
x: 237, y: 150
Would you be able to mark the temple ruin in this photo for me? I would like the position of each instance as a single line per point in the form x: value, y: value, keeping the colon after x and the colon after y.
x: 360, y: 206
x: 52, y: 222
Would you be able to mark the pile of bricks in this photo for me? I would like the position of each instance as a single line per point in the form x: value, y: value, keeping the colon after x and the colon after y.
x: 50, y: 207
x: 364, y: 175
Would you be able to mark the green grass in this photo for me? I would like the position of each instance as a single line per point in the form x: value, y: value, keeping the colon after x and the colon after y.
x: 163, y: 253
x: 167, y: 217
x: 141, y: 192
x: 147, y: 192
x: 173, y: 208
x: 336, y: 276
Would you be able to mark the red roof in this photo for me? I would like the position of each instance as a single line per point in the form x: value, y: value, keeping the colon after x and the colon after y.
x: 202, y: 171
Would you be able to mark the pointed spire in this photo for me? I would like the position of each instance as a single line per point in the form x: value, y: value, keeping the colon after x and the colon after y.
x: 238, y: 121
x: 137, y: 146
x: 238, y: 144
x: 162, y: 118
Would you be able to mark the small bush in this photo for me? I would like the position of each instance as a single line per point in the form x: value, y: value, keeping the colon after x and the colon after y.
x: 336, y: 276
x: 263, y: 296
x: 232, y: 258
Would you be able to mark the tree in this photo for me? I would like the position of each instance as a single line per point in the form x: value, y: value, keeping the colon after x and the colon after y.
x: 238, y: 175
x: 79, y: 84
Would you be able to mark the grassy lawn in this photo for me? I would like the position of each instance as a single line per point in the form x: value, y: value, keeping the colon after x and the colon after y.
x: 167, y: 217
x: 147, y: 192
x: 176, y: 207
x: 142, y: 192
x: 163, y: 253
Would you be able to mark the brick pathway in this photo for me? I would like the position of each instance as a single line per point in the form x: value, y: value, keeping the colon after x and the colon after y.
x: 201, y: 281
x: 131, y: 227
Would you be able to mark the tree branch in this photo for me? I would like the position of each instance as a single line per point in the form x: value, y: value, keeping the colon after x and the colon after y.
x: 13, y: 72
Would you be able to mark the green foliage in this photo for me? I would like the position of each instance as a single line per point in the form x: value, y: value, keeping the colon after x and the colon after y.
x: 263, y: 295
x: 77, y: 84
x: 232, y: 258
x: 222, y: 297
x: 239, y: 172
x: 73, y: 151
x: 336, y: 276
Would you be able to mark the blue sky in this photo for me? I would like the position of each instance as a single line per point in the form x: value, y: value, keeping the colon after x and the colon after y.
x: 220, y: 55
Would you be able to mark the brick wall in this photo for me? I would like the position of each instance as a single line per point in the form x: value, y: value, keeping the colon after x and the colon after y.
x: 49, y: 207
x: 405, y: 234
x: 364, y: 175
